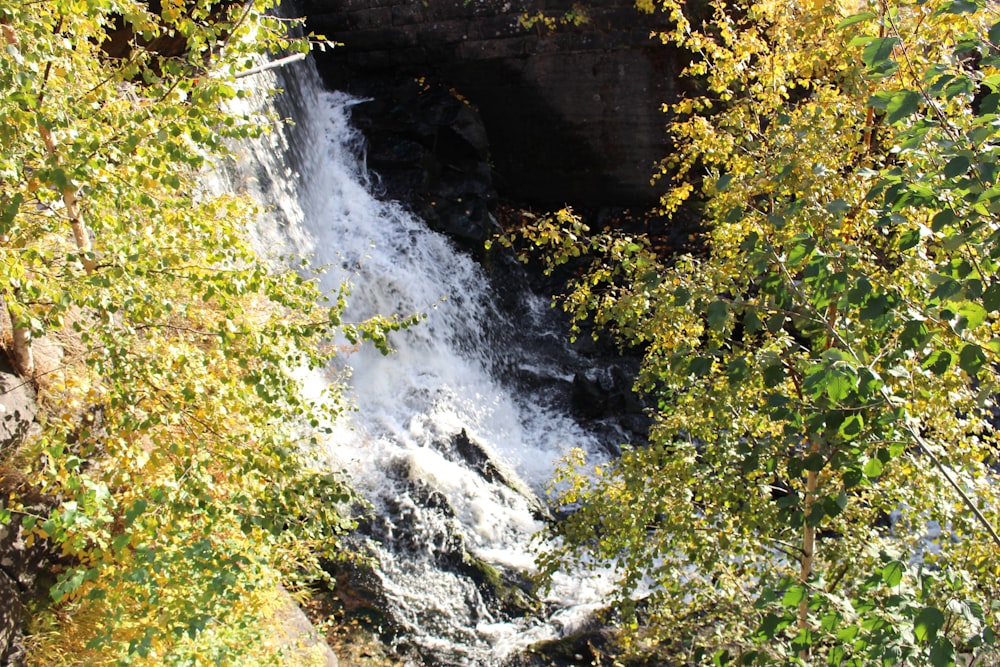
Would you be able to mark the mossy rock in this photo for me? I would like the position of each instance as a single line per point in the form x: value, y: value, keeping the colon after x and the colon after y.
x: 511, y: 591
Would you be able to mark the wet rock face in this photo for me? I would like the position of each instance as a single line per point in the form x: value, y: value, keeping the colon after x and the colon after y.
x: 572, y: 114
x: 419, y: 533
x: 428, y: 147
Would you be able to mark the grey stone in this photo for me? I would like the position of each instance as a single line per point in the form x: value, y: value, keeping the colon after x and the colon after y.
x: 296, y: 634
x: 27, y: 566
x: 17, y: 408
x: 24, y: 570
x: 11, y: 652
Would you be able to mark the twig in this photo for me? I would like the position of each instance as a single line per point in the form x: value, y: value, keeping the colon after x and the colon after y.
x: 274, y: 64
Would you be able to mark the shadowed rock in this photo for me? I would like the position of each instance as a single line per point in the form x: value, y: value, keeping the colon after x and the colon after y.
x: 572, y: 114
x: 17, y: 408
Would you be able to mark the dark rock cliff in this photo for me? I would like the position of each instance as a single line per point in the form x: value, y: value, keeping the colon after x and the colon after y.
x: 573, y: 114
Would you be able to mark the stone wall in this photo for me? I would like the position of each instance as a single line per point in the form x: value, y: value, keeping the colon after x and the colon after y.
x: 573, y: 114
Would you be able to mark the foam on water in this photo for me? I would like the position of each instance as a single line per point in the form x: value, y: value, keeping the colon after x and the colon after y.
x: 435, y: 387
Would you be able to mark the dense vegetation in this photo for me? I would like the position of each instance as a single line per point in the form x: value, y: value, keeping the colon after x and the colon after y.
x: 173, y: 438
x: 820, y: 485
x: 821, y: 481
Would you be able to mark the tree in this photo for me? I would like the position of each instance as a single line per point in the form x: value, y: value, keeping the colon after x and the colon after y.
x: 821, y: 480
x: 174, y: 436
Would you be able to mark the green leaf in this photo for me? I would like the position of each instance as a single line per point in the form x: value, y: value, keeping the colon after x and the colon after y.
x: 872, y: 468
x: 774, y: 374
x: 927, y: 623
x: 737, y: 370
x: 120, y: 542
x: 892, y: 573
x: 869, y: 383
x: 938, y: 361
x: 909, y: 239
x: 717, y: 314
x: 59, y: 178
x: 700, y: 366
x: 902, y: 104
x: 991, y: 298
x: 837, y: 206
x: 852, y: 477
x: 914, y: 335
x: 138, y: 507
x: 874, y: 308
x: 803, y: 640
x: 994, y: 35
x: 942, y: 219
x: 989, y: 104
x: 860, y: 292
x: 775, y: 322
x: 771, y: 624
x: 943, y: 653
x: 878, y: 53
x: 777, y: 400
x: 841, y: 500
x: 971, y: 315
x: 735, y: 214
x: 839, y: 384
x: 972, y: 359
x: 856, y: 18
x: 793, y: 596
x: 946, y: 291
x: 802, y: 247
x: 959, y: 7
x: 852, y: 426
x: 814, y: 462
x: 9, y: 211
x: 957, y: 166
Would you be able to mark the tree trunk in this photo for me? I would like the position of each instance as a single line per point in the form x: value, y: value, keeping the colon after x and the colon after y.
x: 808, y: 547
x: 24, y: 359
x: 80, y: 235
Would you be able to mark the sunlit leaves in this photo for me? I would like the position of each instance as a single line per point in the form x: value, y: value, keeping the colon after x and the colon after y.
x: 175, y: 434
x: 892, y: 574
x: 840, y: 327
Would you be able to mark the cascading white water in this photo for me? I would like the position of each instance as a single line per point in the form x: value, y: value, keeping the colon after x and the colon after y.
x: 420, y: 410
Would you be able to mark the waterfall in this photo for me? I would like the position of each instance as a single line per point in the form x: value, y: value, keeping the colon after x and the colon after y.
x: 451, y: 455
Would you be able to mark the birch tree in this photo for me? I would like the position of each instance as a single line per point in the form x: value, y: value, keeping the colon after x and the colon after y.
x: 820, y: 485
x: 173, y: 433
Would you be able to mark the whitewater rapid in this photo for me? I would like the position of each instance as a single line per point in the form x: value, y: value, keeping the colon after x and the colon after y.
x: 404, y: 445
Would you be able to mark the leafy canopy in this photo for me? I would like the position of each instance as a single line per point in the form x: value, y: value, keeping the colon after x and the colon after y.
x: 173, y: 432
x: 820, y: 485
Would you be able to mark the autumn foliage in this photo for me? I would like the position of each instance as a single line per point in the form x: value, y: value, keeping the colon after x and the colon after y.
x: 173, y: 435
x: 820, y: 485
